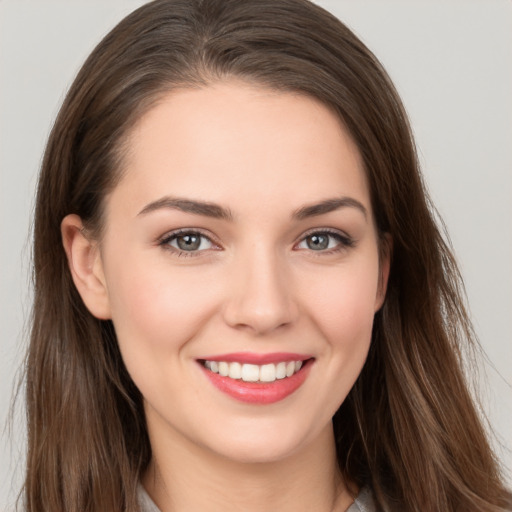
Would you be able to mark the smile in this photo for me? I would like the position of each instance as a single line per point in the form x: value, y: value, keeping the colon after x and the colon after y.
x: 257, y: 379
x: 253, y: 372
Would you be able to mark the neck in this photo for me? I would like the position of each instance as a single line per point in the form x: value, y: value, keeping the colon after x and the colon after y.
x: 183, y: 477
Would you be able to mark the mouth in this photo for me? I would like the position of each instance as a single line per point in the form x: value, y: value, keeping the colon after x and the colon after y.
x: 254, y: 383
x: 252, y: 372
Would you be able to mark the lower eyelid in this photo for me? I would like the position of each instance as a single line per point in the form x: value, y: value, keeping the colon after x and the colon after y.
x: 166, y: 240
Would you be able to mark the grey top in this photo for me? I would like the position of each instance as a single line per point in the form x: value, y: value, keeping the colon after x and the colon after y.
x: 146, y: 503
x: 363, y: 502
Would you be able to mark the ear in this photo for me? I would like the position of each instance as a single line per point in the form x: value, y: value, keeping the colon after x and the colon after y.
x: 85, y: 264
x: 385, y: 252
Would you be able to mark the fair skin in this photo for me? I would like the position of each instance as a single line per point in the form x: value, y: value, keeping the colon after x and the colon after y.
x: 261, y: 272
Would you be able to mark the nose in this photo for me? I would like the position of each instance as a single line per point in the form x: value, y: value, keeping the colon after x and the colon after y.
x: 261, y: 298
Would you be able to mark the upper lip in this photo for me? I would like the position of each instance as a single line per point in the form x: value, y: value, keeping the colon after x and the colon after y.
x: 259, y: 359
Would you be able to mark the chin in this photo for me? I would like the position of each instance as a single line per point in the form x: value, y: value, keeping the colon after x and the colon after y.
x: 264, y: 443
x: 261, y: 452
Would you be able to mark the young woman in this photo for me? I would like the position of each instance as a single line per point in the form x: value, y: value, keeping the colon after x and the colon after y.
x: 242, y: 301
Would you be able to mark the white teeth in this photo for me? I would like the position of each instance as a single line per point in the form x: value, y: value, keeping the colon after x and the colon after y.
x: 253, y: 372
x: 235, y: 371
x: 281, y: 371
x: 250, y: 372
x: 268, y: 373
x: 223, y: 369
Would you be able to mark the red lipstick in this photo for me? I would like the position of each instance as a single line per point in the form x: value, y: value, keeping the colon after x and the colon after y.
x: 259, y: 359
x: 258, y: 392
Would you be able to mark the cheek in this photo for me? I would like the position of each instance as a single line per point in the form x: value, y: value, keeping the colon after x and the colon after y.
x: 339, y: 305
x: 342, y: 305
x: 345, y: 305
x: 156, y: 308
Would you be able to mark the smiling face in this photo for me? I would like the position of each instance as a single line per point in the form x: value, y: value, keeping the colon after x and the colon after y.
x: 240, y: 267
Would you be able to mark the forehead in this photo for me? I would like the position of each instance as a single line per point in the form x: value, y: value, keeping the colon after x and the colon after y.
x: 231, y: 141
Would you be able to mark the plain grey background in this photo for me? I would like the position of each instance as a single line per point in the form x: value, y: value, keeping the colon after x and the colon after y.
x: 452, y: 63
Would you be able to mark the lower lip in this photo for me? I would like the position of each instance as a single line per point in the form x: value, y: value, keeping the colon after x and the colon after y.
x: 259, y: 393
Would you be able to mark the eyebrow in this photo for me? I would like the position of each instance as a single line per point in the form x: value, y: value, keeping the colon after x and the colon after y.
x: 218, y: 212
x: 189, y: 206
x: 327, y: 206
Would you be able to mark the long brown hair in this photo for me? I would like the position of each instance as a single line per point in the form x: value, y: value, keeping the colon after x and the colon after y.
x: 408, y: 428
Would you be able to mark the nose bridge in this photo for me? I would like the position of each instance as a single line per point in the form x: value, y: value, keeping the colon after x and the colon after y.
x: 260, y: 297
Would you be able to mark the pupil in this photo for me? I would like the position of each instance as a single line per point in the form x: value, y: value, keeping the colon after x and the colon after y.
x: 189, y: 242
x: 318, y: 242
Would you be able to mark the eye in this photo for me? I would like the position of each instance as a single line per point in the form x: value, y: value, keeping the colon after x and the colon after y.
x: 187, y: 241
x: 325, y: 241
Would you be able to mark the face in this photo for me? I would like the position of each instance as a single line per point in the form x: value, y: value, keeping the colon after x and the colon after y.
x: 241, y: 269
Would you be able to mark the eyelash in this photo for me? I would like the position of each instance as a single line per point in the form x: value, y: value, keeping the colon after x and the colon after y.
x: 166, y: 240
x: 344, y: 241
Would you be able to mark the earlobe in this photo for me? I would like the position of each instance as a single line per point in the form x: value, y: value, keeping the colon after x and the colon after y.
x: 385, y: 253
x: 86, y: 267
